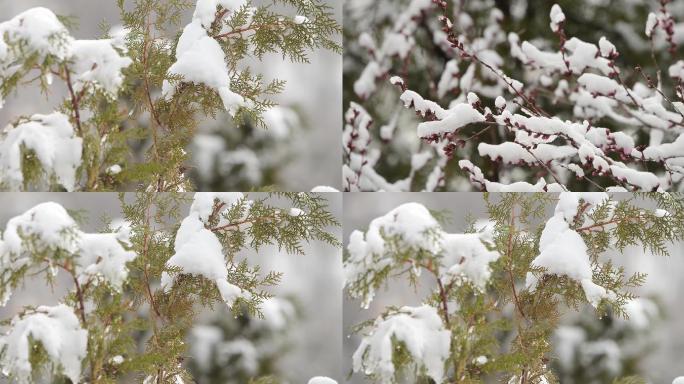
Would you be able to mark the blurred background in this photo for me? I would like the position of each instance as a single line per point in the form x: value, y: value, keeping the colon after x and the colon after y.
x: 298, y: 338
x: 593, y: 350
x: 299, y: 150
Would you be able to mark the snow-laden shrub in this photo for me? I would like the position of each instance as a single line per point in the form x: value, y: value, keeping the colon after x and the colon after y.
x: 136, y: 97
x: 546, y: 111
x: 502, y: 288
x: 135, y: 289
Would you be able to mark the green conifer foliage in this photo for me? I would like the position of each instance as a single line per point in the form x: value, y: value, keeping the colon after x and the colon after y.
x: 137, y: 330
x: 501, y: 327
x: 133, y: 137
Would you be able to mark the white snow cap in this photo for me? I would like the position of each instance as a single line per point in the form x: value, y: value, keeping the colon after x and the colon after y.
x: 200, y: 59
x: 205, y: 10
x: 322, y: 380
x: 199, y: 251
x: 562, y: 250
x: 299, y: 19
x: 40, y: 30
x: 102, y: 257
x: 410, y: 222
x: 678, y: 380
x: 422, y: 332
x: 98, y: 257
x: 463, y: 257
x: 54, y: 142
x: 324, y: 188
x: 651, y: 24
x: 96, y: 62
x: 466, y: 258
x: 557, y: 17
x: 57, y: 330
x: 203, y: 202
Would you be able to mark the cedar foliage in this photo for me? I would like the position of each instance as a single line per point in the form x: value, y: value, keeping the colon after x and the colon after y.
x: 142, y: 132
x: 144, y: 323
x: 509, y: 323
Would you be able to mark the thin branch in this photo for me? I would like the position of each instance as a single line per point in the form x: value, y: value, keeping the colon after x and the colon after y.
x: 74, y: 100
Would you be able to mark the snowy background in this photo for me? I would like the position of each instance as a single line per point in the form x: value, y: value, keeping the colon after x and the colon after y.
x: 313, y: 89
x: 313, y: 279
x: 664, y: 281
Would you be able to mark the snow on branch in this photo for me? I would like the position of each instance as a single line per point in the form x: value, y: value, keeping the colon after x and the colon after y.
x: 46, y: 235
x: 530, y: 260
x: 577, y: 120
x: 410, y: 235
x: 199, y: 251
x: 56, y: 330
x: 146, y: 82
x: 417, y: 330
x: 53, y: 142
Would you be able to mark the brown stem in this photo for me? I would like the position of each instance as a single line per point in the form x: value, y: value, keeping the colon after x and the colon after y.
x: 74, y: 100
x: 79, y: 293
x: 150, y: 102
x: 604, y: 223
x: 443, y: 298
x: 238, y: 223
x: 251, y: 27
x: 509, y: 251
x: 145, y: 270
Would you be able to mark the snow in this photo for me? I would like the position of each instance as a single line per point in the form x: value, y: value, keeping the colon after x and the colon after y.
x: 661, y: 213
x: 466, y: 257
x: 500, y: 102
x: 277, y: 313
x: 295, y: 212
x: 57, y: 330
x: 200, y: 59
x: 52, y: 139
x: 678, y: 380
x: 645, y: 181
x: 98, y: 62
x: 48, y: 227
x: 323, y: 189
x: 421, y: 331
x: 456, y: 118
x: 513, y: 153
x: 102, y: 257
x: 41, y: 32
x: 651, y: 24
x: 481, y: 360
x: 409, y: 222
x: 322, y: 380
x: 280, y: 120
x: 607, y: 48
x: 48, y: 224
x: 117, y: 360
x: 640, y: 313
x: 463, y: 258
x: 562, y: 251
x: 676, y: 70
x: 203, y: 202
x: 197, y: 249
x: 205, y: 10
x: 114, y: 169
x: 299, y: 19
x: 449, y: 79
x: 557, y: 17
